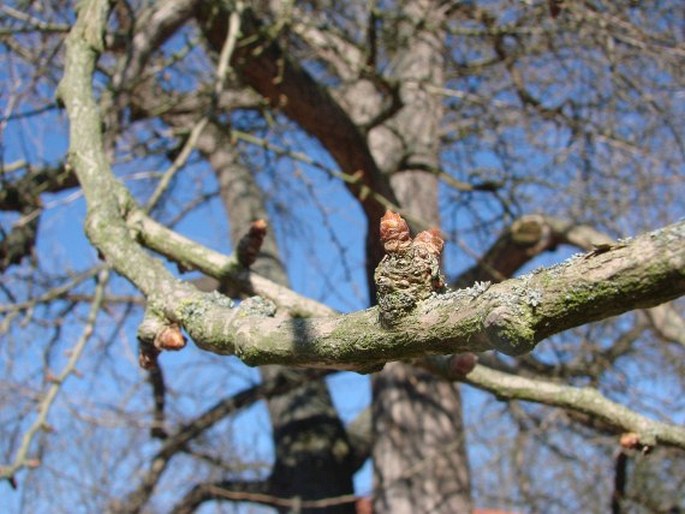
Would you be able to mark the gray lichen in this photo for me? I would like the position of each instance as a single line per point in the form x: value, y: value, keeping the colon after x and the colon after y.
x: 221, y: 300
x: 533, y: 297
x: 257, y: 306
x: 478, y: 288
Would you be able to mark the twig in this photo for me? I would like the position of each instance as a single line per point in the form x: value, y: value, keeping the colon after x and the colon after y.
x: 227, y: 49
x: 189, y: 146
x: 52, y: 294
x: 178, y: 163
x: 20, y: 459
x: 348, y: 178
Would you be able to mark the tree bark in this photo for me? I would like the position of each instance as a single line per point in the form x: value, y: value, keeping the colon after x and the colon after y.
x: 313, y: 454
x: 419, y: 452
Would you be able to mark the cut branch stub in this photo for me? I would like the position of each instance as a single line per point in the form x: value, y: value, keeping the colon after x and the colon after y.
x: 410, y: 270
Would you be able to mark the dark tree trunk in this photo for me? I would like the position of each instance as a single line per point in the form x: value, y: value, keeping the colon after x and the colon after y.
x: 313, y: 455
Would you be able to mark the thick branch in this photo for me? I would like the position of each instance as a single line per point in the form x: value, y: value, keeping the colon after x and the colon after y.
x: 511, y: 317
x: 107, y: 199
x: 533, y: 234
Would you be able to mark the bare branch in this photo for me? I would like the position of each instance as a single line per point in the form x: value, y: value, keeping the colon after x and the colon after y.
x: 510, y: 317
x: 255, y: 492
x: 185, y: 433
x: 585, y: 400
x: 21, y: 459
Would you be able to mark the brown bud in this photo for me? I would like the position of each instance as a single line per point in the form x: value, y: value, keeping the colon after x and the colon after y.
x: 630, y: 441
x: 170, y: 338
x: 431, y: 240
x: 394, y: 233
x: 251, y: 243
x: 463, y: 363
x: 147, y: 356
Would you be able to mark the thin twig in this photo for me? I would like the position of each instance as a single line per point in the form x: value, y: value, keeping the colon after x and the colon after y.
x: 20, y: 459
x: 189, y: 146
x: 178, y: 163
x: 52, y: 294
x: 229, y: 46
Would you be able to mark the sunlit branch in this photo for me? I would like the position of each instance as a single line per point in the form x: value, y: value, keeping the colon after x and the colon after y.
x: 192, y: 255
x: 584, y: 400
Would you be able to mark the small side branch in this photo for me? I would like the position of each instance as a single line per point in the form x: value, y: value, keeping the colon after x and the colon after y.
x: 21, y: 459
x: 584, y: 400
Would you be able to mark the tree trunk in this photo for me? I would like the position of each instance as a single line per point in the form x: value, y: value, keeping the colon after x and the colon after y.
x: 420, y: 460
x: 313, y: 455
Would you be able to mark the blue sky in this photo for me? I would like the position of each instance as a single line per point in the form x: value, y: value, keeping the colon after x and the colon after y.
x: 320, y: 229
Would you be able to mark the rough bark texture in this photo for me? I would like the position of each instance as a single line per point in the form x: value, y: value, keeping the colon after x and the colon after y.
x: 420, y: 461
x: 419, y: 451
x: 313, y: 455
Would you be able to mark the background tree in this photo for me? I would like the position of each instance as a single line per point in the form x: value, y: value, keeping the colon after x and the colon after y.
x: 517, y: 128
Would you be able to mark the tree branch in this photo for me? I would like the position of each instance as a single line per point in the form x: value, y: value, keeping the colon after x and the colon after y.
x: 226, y: 269
x: 578, y: 400
x: 533, y: 234
x: 585, y: 400
x: 185, y: 433
x: 255, y: 492
x: 511, y: 317
x: 21, y: 458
